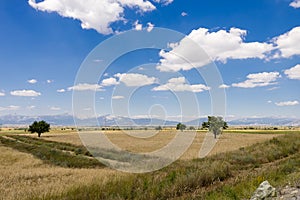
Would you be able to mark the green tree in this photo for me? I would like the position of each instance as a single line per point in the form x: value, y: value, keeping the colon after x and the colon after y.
x: 180, y: 126
x: 205, y: 125
x: 39, y: 127
x: 215, y: 124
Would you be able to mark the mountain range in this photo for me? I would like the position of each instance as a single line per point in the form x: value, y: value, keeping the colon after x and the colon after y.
x: 109, y: 120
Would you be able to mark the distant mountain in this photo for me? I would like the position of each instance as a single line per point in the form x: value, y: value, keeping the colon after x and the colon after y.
x: 109, y: 120
x: 265, y: 121
x: 68, y: 120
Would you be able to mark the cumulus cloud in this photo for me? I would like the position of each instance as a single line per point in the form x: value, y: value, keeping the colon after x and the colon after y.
x: 61, y: 90
x: 25, y: 93
x: 179, y: 85
x: 95, y: 14
x: 32, y: 81
x: 220, y: 46
x: 259, y: 80
x: 288, y: 44
x: 183, y: 14
x: 11, y: 107
x: 109, y: 81
x: 224, y: 86
x: 134, y: 79
x: 293, y: 73
x: 85, y: 87
x: 2, y: 94
x: 295, y: 4
x: 138, y: 26
x: 164, y: 2
x: 287, y: 103
x: 49, y: 81
x: 117, y: 97
x: 150, y: 26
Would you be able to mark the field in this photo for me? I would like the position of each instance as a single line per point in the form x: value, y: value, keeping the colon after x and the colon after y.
x: 29, y: 171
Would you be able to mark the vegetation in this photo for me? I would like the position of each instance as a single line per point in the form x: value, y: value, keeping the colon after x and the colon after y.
x: 215, y: 125
x: 60, y: 154
x: 180, y: 126
x: 39, y: 127
x: 232, y: 175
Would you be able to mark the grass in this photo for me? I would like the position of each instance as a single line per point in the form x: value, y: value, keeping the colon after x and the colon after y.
x: 275, y: 159
x: 59, y: 154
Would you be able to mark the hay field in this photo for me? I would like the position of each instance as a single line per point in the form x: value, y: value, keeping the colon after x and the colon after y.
x: 23, y: 176
x: 227, y: 141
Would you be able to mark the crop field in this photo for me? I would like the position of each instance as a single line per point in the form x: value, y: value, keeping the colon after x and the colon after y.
x: 58, y: 166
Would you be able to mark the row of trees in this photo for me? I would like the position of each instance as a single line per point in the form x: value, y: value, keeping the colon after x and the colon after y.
x: 214, y: 124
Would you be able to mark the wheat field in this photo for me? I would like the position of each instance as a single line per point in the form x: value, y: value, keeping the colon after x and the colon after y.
x: 23, y: 176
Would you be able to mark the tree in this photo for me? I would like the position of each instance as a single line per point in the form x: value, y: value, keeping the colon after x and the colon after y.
x: 205, y: 125
x: 39, y: 127
x: 180, y: 126
x: 215, y: 125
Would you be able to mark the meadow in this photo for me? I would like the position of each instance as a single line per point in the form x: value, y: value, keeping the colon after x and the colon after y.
x: 57, y: 166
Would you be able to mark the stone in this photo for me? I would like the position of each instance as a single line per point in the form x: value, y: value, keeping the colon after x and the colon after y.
x: 264, y: 191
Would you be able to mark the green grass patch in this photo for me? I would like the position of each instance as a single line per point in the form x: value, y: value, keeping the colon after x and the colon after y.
x: 59, y: 154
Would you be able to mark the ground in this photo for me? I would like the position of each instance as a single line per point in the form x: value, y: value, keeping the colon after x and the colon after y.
x: 23, y: 176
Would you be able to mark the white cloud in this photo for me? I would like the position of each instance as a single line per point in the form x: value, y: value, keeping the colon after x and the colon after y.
x: 288, y: 44
x: 95, y: 14
x: 30, y: 107
x: 259, y: 80
x: 138, y: 26
x: 117, y: 97
x: 61, y: 90
x: 150, y: 26
x: 269, y: 101
x: 2, y: 94
x: 179, y: 85
x: 49, y: 81
x: 295, y: 4
x: 164, y: 2
x: 287, y: 103
x: 293, y: 73
x: 55, y: 108
x: 85, y: 86
x: 32, y: 81
x: 224, y: 86
x: 183, y: 14
x: 11, y: 107
x: 109, y: 81
x: 220, y: 46
x: 25, y: 93
x: 273, y: 88
x: 134, y: 79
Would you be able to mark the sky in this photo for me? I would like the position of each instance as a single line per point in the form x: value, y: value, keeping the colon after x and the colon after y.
x: 249, y: 53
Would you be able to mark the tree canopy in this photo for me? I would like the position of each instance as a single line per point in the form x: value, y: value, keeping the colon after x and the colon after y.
x: 39, y: 127
x: 180, y: 126
x: 215, y: 124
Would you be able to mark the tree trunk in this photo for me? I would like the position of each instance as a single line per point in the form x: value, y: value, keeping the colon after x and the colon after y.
x: 39, y: 134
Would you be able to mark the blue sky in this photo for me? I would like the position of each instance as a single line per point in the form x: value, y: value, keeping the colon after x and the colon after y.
x: 254, y: 44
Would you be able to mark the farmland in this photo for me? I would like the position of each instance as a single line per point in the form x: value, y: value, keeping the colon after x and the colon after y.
x: 69, y: 172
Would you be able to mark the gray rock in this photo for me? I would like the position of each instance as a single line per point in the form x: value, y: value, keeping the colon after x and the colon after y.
x: 264, y: 191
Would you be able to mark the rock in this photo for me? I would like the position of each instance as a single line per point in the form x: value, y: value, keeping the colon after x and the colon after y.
x: 264, y: 191
x: 289, y: 193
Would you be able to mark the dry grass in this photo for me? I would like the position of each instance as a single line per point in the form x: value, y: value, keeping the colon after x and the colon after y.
x: 227, y: 141
x: 23, y: 176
